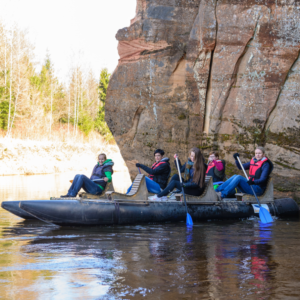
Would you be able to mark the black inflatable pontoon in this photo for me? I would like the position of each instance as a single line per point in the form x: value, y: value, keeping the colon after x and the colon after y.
x: 93, y: 212
x: 136, y: 209
x: 14, y: 208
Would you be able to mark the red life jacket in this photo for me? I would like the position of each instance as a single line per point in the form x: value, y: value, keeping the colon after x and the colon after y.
x: 154, y: 166
x: 256, y: 168
x: 210, y: 171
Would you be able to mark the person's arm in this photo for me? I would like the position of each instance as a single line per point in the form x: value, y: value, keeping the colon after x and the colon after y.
x: 108, y: 176
x: 181, y: 168
x: 264, y: 174
x: 246, y: 165
x: 93, y: 171
x: 157, y: 171
x: 218, y: 165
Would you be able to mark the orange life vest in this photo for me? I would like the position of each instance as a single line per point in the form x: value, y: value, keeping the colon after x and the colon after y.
x: 256, y: 168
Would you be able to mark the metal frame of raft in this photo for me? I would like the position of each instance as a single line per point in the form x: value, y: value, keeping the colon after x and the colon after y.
x: 135, y: 208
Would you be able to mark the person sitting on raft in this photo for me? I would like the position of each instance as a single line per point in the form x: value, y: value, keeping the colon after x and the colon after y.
x: 159, y: 173
x: 215, y: 168
x: 194, y: 177
x: 260, y: 168
x: 102, y: 173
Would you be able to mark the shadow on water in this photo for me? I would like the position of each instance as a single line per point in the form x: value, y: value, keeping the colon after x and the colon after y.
x: 212, y: 260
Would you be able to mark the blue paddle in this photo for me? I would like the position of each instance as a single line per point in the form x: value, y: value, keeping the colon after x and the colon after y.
x: 264, y: 215
x: 189, y: 221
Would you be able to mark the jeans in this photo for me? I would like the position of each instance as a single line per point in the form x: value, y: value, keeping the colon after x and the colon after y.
x: 81, y: 181
x: 175, y: 183
x: 237, y: 181
x: 152, y: 186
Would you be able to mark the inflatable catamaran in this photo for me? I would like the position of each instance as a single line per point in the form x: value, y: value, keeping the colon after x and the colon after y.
x: 135, y: 208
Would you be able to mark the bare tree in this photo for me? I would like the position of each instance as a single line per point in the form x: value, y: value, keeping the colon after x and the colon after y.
x: 69, y: 112
x: 10, y: 84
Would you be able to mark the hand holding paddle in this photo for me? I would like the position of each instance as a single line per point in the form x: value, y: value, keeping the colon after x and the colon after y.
x: 264, y: 215
x: 189, y: 220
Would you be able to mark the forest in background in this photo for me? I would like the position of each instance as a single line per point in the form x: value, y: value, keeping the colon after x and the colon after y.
x: 36, y: 105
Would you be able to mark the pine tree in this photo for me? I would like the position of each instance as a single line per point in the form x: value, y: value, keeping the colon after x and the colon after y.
x: 36, y: 104
x: 103, y: 84
x: 100, y: 124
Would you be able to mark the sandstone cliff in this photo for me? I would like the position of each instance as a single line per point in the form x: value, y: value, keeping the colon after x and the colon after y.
x: 217, y: 74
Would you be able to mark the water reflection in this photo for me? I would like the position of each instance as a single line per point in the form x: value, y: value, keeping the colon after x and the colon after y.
x: 238, y: 266
x: 34, y: 187
x: 213, y: 260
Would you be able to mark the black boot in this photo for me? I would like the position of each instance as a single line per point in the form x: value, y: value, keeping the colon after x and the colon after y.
x: 66, y: 196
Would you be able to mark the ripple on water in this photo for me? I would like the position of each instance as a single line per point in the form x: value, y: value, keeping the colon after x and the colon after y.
x: 213, y: 260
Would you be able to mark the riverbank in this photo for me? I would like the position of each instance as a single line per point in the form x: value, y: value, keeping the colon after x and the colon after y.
x: 28, y: 157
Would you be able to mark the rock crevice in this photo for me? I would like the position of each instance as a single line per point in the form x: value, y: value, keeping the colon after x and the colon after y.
x: 271, y: 118
x: 217, y: 74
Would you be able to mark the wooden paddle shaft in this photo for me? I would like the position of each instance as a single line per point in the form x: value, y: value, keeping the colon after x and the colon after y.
x: 179, y: 173
x: 182, y: 190
x: 242, y: 167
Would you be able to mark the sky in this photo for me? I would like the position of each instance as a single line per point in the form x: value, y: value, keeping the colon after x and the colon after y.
x: 71, y: 31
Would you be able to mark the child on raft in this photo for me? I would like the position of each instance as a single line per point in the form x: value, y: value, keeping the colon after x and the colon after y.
x: 215, y: 168
x: 260, y: 168
x: 95, y: 185
x: 194, y: 177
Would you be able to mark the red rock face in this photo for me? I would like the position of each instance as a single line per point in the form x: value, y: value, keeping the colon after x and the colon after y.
x: 217, y: 74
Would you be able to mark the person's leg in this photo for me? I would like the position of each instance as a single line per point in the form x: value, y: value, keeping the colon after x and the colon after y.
x: 129, y: 189
x: 194, y: 192
x: 152, y: 186
x: 90, y: 186
x: 81, y: 181
x: 258, y: 190
x: 72, y: 188
x: 169, y: 188
x: 231, y: 186
x: 245, y: 188
x: 175, y: 177
x: 226, y: 184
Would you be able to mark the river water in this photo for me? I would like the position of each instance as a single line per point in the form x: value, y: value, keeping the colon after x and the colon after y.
x: 214, y: 260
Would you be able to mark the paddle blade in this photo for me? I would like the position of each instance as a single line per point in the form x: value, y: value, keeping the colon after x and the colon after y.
x: 189, y: 221
x: 265, y: 216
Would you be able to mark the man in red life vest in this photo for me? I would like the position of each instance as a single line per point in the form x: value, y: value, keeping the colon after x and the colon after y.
x: 260, y: 168
x: 160, y: 171
x: 215, y: 167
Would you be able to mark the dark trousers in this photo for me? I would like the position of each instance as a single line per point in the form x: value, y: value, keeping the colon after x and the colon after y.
x: 175, y: 183
x: 81, y: 181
